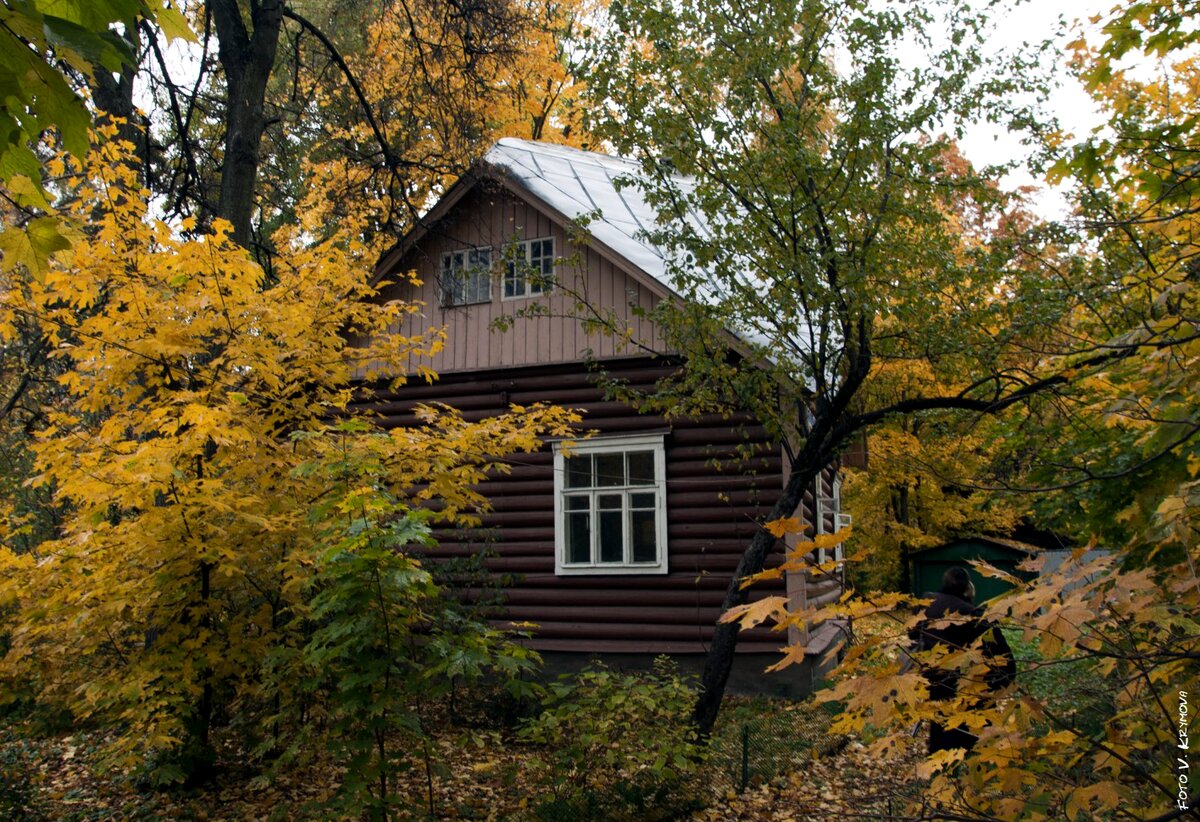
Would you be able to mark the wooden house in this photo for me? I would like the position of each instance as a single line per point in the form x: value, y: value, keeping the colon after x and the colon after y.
x: 625, y: 546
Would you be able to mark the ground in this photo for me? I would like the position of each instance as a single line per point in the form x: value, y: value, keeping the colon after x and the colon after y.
x: 769, y: 760
x: 772, y: 761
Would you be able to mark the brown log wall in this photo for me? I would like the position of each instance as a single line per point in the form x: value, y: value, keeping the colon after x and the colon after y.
x: 712, y: 511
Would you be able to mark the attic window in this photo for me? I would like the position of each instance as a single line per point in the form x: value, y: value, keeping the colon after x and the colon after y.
x: 530, y: 268
x: 466, y: 276
x: 610, y: 507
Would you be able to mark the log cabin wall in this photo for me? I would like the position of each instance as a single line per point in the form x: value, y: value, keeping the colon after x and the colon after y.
x: 542, y: 329
x: 714, y: 504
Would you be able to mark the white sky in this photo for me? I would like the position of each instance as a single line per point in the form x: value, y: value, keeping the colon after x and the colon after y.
x: 1034, y: 21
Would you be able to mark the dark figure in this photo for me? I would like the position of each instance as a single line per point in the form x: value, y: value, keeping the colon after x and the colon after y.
x: 955, y: 601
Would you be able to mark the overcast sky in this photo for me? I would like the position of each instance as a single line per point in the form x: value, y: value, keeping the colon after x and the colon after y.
x: 1027, y: 20
x: 1034, y: 21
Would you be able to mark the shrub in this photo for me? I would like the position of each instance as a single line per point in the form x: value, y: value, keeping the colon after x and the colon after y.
x: 617, y: 746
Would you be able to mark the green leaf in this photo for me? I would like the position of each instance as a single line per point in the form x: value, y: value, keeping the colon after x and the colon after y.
x: 27, y: 192
x: 96, y: 15
x: 33, y: 245
x: 174, y: 24
x: 16, y: 158
x: 85, y: 49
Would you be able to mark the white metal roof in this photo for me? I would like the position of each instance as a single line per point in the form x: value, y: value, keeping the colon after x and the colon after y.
x: 583, y: 184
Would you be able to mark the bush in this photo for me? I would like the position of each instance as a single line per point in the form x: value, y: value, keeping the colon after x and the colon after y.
x: 1074, y: 691
x: 18, y: 783
x: 618, y: 746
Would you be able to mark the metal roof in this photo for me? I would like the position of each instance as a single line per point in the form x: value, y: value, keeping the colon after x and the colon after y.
x: 583, y: 186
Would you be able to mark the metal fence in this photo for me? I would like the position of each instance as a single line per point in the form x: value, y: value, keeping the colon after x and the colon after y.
x: 759, y: 740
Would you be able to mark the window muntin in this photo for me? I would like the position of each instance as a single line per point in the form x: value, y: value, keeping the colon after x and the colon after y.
x: 610, y: 506
x: 466, y: 276
x: 530, y: 268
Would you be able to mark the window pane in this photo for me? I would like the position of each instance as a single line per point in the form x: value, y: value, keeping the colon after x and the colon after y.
x: 579, y: 471
x: 642, y: 536
x: 579, y: 537
x: 608, y: 502
x: 641, y: 501
x: 466, y: 276
x: 610, y: 470
x: 611, y: 540
x: 514, y: 285
x: 641, y: 467
x: 578, y: 502
x: 471, y: 290
x: 447, y: 283
x: 541, y: 264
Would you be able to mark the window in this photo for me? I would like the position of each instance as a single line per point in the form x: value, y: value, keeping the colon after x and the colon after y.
x: 831, y: 504
x: 466, y: 276
x: 610, y: 507
x: 530, y: 268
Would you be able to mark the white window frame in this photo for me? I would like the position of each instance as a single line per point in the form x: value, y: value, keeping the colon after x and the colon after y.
x: 609, y: 445
x: 520, y: 254
x: 834, y: 502
x: 471, y: 267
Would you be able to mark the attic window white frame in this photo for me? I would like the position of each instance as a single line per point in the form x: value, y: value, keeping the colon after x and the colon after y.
x: 603, y: 446
x: 465, y: 277
x: 528, y: 270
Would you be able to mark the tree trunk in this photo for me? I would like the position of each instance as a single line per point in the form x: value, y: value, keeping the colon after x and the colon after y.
x: 719, y: 660
x: 113, y: 96
x: 247, y: 58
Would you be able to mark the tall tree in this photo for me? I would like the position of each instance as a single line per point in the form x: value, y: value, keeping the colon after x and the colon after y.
x: 247, y: 55
x: 1117, y: 636
x: 207, y: 494
x: 358, y: 110
x: 170, y: 315
x: 1136, y: 190
x: 810, y: 205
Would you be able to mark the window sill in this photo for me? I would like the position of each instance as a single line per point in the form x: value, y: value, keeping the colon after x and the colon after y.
x: 521, y: 297
x: 610, y: 570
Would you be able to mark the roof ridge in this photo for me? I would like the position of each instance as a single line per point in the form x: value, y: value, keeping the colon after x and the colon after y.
x: 598, y: 158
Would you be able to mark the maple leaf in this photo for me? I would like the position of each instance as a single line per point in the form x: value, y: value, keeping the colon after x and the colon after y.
x: 780, y: 528
x: 754, y: 613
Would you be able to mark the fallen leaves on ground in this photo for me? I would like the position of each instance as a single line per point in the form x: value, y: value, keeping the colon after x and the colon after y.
x: 854, y: 783
x: 481, y: 774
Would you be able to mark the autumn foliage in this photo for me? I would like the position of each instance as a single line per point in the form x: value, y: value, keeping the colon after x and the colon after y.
x: 1111, y: 453
x: 211, y: 495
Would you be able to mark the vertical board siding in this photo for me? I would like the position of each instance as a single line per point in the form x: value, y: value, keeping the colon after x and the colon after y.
x: 714, y: 505
x: 550, y: 330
